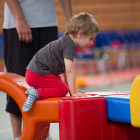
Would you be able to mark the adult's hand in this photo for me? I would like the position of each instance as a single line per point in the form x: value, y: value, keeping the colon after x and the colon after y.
x: 24, y: 31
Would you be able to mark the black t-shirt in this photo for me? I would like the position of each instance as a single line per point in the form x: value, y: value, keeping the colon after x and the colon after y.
x: 50, y: 59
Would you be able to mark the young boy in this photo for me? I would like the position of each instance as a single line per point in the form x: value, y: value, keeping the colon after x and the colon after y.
x: 58, y: 58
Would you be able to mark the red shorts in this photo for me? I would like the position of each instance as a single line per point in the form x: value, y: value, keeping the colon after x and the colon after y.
x: 49, y: 85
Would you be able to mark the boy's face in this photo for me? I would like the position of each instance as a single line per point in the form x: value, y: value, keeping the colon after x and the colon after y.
x: 85, y: 41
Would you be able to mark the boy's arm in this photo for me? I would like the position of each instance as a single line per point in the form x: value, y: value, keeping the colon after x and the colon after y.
x: 70, y: 75
x: 23, y: 29
x: 71, y: 78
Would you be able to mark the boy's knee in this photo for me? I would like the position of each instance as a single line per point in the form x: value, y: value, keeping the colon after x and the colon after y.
x: 65, y: 92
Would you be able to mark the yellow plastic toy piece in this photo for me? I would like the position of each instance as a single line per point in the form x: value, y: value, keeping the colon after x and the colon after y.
x: 135, y: 102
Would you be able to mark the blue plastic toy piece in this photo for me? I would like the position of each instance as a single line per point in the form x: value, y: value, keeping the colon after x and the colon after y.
x: 118, y: 108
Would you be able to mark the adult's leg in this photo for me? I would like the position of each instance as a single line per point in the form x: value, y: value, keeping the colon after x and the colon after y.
x: 16, y: 122
x: 47, y: 35
x: 17, y: 55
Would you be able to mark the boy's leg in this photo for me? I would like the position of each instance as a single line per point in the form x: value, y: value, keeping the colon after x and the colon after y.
x: 48, y: 86
x: 32, y: 96
x: 51, y: 92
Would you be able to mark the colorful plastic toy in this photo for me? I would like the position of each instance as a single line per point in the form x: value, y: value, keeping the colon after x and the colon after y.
x: 36, y: 122
x: 79, y: 118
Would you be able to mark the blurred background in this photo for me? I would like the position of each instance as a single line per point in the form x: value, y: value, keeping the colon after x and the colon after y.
x: 110, y: 64
x: 114, y: 56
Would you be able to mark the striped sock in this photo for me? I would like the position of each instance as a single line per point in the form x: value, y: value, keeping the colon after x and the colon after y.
x: 32, y: 96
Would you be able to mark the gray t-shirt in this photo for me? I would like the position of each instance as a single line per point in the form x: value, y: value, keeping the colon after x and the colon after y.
x: 50, y: 59
x: 38, y: 13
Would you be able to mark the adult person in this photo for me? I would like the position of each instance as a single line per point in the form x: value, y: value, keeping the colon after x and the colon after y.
x: 28, y: 26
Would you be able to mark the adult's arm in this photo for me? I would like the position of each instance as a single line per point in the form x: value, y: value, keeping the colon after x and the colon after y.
x: 66, y: 6
x: 23, y: 29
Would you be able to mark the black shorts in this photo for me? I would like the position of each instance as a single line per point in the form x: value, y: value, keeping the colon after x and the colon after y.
x: 17, y: 54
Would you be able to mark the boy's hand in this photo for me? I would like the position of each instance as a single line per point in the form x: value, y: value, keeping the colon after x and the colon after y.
x: 80, y: 94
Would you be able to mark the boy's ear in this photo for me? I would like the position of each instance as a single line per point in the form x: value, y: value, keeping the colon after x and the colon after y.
x: 80, y: 33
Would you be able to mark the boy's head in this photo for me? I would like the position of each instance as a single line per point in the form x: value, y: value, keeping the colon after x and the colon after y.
x: 82, y: 22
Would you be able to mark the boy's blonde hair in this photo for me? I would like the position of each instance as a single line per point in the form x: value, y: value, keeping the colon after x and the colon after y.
x: 82, y: 22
